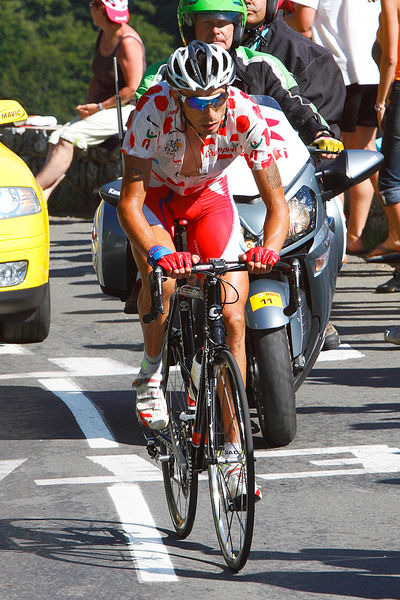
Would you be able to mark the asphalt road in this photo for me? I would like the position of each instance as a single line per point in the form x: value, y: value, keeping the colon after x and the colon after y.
x: 82, y: 506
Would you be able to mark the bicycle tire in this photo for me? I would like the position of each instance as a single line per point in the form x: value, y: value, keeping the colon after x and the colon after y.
x: 180, y: 484
x: 233, y: 517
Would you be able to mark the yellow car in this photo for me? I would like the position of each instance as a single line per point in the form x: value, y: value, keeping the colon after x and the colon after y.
x: 24, y: 245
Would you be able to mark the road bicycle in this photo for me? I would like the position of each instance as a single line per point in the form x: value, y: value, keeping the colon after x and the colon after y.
x: 194, y: 440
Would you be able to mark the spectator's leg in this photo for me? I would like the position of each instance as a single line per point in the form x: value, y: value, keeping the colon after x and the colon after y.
x: 360, y: 196
x: 57, y: 163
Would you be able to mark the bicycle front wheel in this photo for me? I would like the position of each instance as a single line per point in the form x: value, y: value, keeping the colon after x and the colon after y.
x: 231, y: 469
x: 180, y: 482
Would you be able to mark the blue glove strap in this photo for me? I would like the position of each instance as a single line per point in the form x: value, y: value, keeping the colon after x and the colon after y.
x: 155, y: 253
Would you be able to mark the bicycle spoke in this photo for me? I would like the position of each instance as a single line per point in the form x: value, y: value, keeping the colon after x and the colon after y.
x: 180, y: 482
x: 231, y: 477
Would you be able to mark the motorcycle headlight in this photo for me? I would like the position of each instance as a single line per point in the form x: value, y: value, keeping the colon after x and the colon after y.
x: 302, y: 208
x: 18, y: 202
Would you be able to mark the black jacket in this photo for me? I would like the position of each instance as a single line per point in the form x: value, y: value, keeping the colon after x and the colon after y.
x: 319, y: 78
x: 256, y: 76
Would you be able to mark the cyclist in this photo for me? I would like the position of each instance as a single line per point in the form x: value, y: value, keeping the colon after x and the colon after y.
x: 183, y: 134
x: 222, y: 22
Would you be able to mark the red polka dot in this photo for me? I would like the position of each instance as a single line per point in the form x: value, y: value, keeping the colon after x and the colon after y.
x: 167, y: 125
x: 132, y: 140
x: 234, y: 137
x: 156, y: 89
x: 142, y: 102
x: 161, y: 102
x: 231, y: 103
x: 242, y: 123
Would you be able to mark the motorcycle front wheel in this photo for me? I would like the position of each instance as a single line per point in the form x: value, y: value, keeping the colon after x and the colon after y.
x: 273, y: 385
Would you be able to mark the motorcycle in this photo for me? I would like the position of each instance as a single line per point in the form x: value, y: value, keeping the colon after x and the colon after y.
x: 286, y: 314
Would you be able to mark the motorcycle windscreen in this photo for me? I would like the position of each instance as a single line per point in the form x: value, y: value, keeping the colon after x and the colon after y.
x: 290, y: 151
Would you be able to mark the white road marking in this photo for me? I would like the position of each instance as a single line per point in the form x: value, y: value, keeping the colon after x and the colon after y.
x: 78, y: 366
x: 86, y: 414
x: 145, y: 542
x: 13, y: 349
x: 372, y: 459
x: 344, y: 352
x: 81, y: 366
x: 8, y: 466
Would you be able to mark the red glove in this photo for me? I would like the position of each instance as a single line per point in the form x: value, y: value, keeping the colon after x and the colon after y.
x: 175, y: 260
x: 262, y: 255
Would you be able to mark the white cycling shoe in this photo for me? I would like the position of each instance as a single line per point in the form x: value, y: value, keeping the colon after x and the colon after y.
x: 151, y: 408
x: 235, y: 482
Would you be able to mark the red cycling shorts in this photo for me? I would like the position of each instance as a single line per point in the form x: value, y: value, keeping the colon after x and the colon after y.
x: 213, y: 229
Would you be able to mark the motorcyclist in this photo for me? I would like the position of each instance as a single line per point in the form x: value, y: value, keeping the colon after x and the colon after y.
x: 314, y: 68
x: 184, y: 133
x: 223, y: 22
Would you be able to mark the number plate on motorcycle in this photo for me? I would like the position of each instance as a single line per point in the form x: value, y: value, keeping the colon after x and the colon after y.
x: 265, y: 299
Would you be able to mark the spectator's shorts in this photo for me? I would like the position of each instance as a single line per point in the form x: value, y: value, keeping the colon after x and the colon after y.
x: 93, y: 130
x: 359, y: 107
x: 213, y: 229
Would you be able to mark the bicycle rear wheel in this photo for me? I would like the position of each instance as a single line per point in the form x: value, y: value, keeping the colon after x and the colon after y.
x: 232, y: 497
x: 180, y: 482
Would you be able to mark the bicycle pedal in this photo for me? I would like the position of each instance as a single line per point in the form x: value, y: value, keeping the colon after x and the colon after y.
x: 185, y: 417
x: 164, y: 458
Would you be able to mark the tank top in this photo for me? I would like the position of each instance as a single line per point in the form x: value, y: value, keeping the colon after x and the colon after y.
x: 397, y: 74
x: 103, y: 70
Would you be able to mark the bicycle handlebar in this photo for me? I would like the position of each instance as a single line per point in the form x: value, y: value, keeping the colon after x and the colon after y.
x: 216, y: 266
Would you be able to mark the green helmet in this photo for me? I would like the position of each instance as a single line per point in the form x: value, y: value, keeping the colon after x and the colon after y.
x: 231, y: 10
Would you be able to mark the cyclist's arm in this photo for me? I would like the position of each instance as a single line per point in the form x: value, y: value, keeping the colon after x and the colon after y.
x: 130, y: 207
x: 276, y: 226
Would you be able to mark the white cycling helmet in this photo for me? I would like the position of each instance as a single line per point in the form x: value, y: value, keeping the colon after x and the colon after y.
x: 199, y: 66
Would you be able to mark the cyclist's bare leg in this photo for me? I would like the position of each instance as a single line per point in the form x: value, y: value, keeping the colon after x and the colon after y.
x: 153, y: 334
x: 235, y: 339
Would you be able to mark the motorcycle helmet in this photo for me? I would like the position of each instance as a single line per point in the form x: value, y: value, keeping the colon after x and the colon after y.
x: 231, y: 10
x: 199, y: 66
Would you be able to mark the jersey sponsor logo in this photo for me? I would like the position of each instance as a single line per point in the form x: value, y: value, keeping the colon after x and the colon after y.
x: 172, y: 146
x: 255, y: 145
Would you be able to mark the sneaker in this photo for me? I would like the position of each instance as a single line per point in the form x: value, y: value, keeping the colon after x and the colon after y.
x: 392, y: 335
x: 151, y: 408
x: 332, y: 339
x: 234, y: 478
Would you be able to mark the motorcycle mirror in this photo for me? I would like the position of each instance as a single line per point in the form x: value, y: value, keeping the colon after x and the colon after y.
x: 348, y: 169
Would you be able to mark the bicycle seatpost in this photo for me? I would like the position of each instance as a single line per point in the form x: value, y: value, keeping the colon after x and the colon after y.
x: 179, y: 230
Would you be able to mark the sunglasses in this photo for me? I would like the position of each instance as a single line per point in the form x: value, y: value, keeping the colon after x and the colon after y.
x: 201, y: 102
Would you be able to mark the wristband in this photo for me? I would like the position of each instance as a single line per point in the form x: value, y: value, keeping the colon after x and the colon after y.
x: 155, y: 253
x: 100, y: 106
x: 379, y: 108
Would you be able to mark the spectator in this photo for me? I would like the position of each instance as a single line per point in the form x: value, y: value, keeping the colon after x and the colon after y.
x: 348, y: 28
x: 97, y: 120
x: 388, y: 109
x: 316, y: 73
